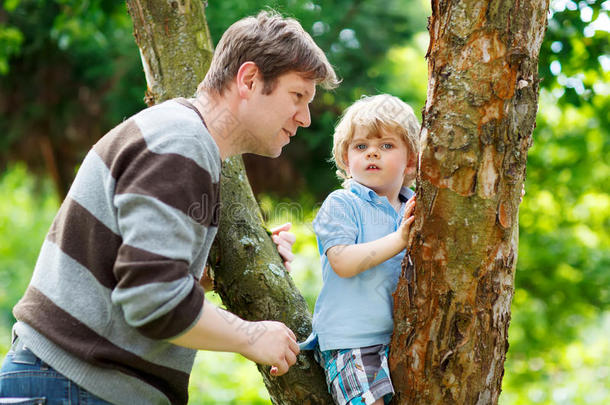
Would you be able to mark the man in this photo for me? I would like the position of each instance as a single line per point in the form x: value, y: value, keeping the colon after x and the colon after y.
x: 115, y: 304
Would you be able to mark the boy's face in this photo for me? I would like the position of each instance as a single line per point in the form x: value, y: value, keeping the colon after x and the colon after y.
x: 378, y: 161
x: 274, y: 118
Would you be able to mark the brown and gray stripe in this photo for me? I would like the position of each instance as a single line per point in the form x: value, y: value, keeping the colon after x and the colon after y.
x: 80, y: 235
x: 72, y: 335
x: 166, y: 177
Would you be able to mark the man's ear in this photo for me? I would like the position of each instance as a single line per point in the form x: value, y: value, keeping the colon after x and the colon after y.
x: 247, y: 76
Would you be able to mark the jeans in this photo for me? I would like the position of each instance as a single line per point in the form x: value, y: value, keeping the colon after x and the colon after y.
x: 25, y: 379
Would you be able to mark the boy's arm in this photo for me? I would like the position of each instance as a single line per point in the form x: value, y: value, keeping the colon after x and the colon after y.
x: 351, y: 260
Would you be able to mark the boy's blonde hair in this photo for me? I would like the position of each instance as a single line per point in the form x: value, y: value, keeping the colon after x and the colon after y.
x: 374, y: 113
x: 276, y: 44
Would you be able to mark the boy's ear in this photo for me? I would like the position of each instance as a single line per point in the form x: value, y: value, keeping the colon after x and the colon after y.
x: 410, y: 171
x: 411, y: 168
x: 247, y: 79
x: 346, y: 163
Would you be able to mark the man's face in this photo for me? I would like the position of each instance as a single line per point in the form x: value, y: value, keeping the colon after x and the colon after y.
x: 273, y: 118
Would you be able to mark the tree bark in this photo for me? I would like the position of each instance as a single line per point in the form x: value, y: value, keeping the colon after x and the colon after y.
x: 175, y: 46
x: 252, y: 282
x: 249, y: 276
x: 452, y: 307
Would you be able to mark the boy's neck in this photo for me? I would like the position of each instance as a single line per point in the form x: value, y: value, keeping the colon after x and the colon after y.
x: 395, y: 201
x: 393, y: 196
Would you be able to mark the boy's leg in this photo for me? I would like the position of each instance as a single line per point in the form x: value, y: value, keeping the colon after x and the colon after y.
x: 357, y: 376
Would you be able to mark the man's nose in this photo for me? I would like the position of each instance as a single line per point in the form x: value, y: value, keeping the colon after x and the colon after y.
x: 303, y: 117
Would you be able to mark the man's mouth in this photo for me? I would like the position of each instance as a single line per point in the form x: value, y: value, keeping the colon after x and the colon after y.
x: 290, y: 134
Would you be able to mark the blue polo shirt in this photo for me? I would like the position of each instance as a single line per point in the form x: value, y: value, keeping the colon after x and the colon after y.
x: 357, y: 311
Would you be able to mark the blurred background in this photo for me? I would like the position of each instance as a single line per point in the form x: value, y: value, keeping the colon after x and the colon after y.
x: 70, y: 71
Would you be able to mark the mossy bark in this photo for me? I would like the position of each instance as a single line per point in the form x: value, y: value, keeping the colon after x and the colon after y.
x: 176, y: 51
x: 252, y: 282
x: 175, y: 46
x: 452, y: 308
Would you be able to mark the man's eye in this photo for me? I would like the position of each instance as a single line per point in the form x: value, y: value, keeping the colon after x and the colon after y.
x: 299, y: 96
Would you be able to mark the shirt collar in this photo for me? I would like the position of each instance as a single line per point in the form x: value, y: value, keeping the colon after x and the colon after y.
x: 368, y: 194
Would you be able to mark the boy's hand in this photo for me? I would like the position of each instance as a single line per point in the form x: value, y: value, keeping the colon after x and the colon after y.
x: 276, y: 347
x: 284, y: 241
x: 407, y: 220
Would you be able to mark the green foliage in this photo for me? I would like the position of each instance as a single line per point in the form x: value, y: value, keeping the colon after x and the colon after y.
x: 215, y: 378
x: 576, y: 373
x: 27, y: 208
x: 73, y: 73
x: 576, y: 43
x: 560, y: 322
x: 10, y: 43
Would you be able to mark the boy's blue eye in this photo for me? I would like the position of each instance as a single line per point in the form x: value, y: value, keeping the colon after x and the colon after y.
x: 361, y: 146
x: 387, y: 146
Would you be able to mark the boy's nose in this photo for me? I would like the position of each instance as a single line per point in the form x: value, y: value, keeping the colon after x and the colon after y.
x: 373, y: 151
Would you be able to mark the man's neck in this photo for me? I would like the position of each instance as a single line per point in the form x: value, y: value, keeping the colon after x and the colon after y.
x: 221, y: 122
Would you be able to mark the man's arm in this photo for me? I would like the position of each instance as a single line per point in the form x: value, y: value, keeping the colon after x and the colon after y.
x: 351, y: 260
x: 264, y: 342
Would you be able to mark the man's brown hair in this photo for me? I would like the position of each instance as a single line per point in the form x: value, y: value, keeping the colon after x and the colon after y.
x: 276, y: 44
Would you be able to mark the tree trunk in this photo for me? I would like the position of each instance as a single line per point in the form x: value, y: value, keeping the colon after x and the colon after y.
x: 176, y: 51
x: 252, y: 282
x: 452, y: 307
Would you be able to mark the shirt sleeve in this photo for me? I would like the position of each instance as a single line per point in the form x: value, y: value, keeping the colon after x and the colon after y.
x: 161, y: 237
x: 335, y: 224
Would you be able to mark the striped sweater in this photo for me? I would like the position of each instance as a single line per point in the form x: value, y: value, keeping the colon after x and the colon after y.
x: 118, y: 271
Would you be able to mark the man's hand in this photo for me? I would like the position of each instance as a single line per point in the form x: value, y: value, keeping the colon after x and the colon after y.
x: 284, y: 241
x: 265, y: 342
x: 276, y: 347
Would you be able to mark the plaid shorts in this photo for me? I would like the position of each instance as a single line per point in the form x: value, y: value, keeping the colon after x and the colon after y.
x: 357, y: 376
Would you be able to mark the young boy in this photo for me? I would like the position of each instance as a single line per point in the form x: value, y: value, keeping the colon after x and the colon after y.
x: 362, y: 231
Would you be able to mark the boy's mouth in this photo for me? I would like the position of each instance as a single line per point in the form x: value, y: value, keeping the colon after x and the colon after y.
x: 372, y: 167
